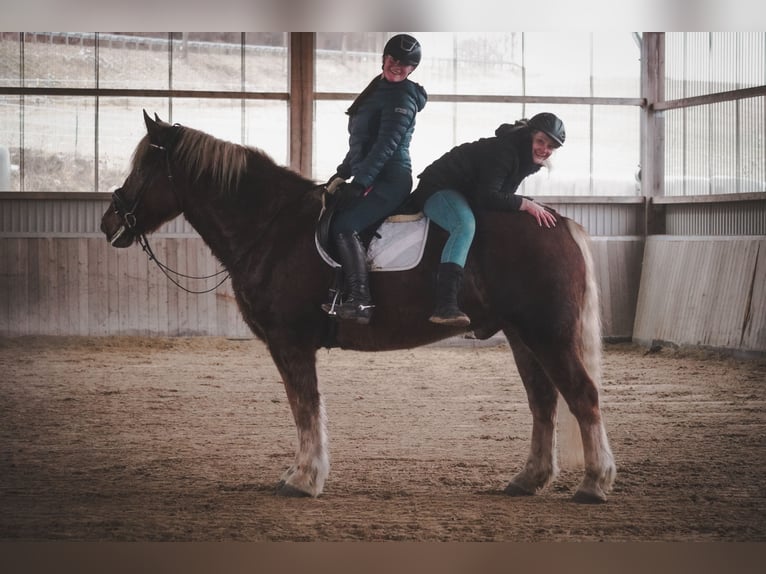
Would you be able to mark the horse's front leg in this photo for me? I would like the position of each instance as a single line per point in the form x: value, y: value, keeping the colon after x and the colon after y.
x: 542, y: 397
x: 307, y: 475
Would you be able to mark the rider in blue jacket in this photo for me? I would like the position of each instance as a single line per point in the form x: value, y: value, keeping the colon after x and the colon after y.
x: 381, y: 123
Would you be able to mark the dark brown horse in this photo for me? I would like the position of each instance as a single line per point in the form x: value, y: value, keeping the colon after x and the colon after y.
x: 258, y: 218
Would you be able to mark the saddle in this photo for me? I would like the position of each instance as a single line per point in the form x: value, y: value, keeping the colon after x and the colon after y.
x: 395, y: 243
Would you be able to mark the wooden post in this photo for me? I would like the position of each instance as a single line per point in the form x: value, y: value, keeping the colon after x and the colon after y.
x: 301, y: 90
x: 653, y: 130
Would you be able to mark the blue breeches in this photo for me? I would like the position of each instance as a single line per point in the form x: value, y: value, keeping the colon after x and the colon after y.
x: 450, y: 211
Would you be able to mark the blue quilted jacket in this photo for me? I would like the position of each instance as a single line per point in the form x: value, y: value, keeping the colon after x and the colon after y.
x: 380, y: 128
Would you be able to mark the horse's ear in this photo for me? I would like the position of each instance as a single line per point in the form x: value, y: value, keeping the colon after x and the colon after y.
x: 152, y: 127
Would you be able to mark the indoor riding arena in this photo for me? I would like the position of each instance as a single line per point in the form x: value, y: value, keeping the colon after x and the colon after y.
x: 137, y: 404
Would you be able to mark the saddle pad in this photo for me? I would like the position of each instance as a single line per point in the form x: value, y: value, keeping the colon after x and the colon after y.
x: 398, y: 244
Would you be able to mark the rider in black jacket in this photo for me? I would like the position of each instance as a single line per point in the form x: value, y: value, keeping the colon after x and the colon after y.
x: 381, y: 123
x: 484, y: 174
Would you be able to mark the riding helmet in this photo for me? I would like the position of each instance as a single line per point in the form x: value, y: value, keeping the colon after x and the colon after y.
x: 550, y: 125
x: 404, y: 48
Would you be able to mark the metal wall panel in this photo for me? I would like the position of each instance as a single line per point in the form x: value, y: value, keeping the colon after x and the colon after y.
x: 600, y: 219
x: 65, y: 216
x: 706, y: 292
x: 83, y: 286
x: 618, y: 272
x: 82, y: 217
x: 740, y: 218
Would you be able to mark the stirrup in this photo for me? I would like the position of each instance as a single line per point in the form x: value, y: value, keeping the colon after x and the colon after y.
x: 331, y: 308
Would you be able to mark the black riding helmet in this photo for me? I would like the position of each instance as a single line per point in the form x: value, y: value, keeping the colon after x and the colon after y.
x: 550, y: 125
x: 404, y: 48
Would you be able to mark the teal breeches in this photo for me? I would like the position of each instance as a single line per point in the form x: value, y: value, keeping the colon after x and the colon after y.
x: 450, y: 211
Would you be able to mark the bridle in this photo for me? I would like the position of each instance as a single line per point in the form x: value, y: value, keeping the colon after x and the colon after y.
x: 127, y: 214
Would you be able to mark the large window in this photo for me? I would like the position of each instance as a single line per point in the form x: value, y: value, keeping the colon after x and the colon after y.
x: 70, y: 104
x: 78, y: 115
x: 714, y: 147
x: 477, y: 81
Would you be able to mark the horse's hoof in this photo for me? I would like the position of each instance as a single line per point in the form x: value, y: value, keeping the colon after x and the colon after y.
x: 582, y: 497
x: 289, y: 491
x: 515, y: 490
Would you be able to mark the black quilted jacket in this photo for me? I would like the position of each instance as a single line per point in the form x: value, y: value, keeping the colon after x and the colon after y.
x: 487, y: 171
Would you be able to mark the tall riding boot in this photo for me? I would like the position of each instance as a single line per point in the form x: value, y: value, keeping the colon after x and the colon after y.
x: 353, y: 258
x: 448, y: 282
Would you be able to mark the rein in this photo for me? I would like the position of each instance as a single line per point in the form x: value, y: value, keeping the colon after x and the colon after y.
x: 168, y: 272
x: 129, y: 221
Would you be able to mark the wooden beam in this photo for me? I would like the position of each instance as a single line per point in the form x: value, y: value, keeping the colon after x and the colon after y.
x: 653, y: 129
x: 301, y: 90
x: 718, y: 97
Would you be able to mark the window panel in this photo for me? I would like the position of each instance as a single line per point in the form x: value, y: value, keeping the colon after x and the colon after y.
x: 207, y: 61
x: 120, y: 127
x: 471, y: 63
x: 10, y: 143
x: 10, y: 59
x: 752, y: 144
x: 330, y: 128
x: 616, y: 150
x: 266, y: 127
x: 59, y: 143
x: 557, y: 64
x: 59, y: 60
x: 674, y: 152
x: 715, y: 148
x: 616, y: 66
x: 133, y: 60
x: 266, y: 62
x: 347, y: 61
x: 580, y: 64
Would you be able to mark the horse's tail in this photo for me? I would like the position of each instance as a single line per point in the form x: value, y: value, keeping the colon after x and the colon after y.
x: 570, y: 442
x: 590, y: 318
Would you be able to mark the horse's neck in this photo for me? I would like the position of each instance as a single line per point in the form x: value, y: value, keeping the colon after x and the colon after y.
x: 230, y: 232
x: 218, y: 226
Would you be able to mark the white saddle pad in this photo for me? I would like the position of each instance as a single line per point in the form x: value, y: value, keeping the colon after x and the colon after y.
x: 397, y: 246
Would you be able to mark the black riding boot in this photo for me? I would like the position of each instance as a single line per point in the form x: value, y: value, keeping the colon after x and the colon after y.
x: 448, y: 281
x: 353, y: 258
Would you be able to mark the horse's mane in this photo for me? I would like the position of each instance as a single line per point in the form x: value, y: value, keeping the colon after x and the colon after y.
x: 221, y: 163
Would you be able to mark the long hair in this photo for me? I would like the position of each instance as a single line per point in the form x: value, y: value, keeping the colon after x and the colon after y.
x: 363, y: 95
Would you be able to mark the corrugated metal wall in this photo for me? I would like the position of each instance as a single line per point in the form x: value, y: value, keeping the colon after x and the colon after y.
x: 741, y: 218
x: 704, y: 291
x: 83, y: 286
x: 60, y: 277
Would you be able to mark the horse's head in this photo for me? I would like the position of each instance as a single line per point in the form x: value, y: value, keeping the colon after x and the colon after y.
x: 149, y: 196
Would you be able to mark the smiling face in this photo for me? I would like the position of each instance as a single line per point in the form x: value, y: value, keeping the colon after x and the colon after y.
x: 394, y: 70
x: 542, y: 147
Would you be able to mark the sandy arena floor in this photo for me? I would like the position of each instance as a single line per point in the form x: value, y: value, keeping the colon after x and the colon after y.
x: 139, y: 439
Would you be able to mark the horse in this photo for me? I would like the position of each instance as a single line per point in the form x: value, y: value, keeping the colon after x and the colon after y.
x: 259, y: 218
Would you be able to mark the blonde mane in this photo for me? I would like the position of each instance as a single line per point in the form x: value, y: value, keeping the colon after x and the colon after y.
x: 204, y: 156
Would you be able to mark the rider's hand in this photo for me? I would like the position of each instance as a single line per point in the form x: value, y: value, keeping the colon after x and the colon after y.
x: 355, y: 189
x: 333, y: 183
x: 542, y: 215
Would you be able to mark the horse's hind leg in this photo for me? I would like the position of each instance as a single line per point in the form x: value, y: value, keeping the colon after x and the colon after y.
x: 307, y: 474
x: 581, y: 393
x: 542, y: 396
